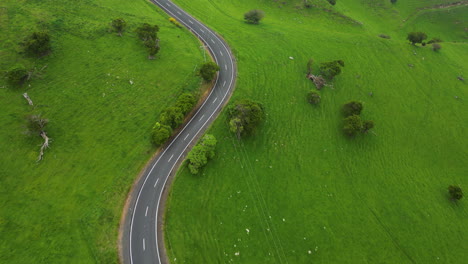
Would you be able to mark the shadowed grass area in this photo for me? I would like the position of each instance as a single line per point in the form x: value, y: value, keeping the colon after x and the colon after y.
x: 299, y: 191
x: 102, y: 96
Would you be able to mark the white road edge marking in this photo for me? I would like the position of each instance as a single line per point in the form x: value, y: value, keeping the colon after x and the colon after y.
x: 144, y: 246
x: 186, y: 137
x: 201, y: 118
x: 170, y: 158
x: 146, y: 213
x: 156, y: 182
x: 215, y: 100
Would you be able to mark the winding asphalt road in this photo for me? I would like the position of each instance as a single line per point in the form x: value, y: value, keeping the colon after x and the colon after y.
x: 142, y: 238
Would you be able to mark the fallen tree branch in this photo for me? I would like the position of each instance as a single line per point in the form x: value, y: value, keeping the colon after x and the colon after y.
x: 25, y: 95
x: 44, y: 146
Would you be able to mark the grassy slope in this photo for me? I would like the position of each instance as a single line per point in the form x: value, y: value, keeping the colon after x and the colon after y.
x: 67, y: 208
x: 299, y: 184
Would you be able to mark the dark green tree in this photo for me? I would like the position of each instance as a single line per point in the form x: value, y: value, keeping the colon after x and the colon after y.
x: 201, y: 153
x: 331, y: 69
x: 434, y: 40
x: 186, y: 102
x: 332, y: 2
x: 17, y: 76
x: 146, y: 31
x: 254, y: 16
x: 119, y: 25
x: 37, y: 44
x: 153, y: 47
x: 160, y: 133
x: 416, y: 37
x: 352, y: 125
x: 244, y: 116
x: 455, y: 192
x: 208, y: 71
x: 313, y: 98
x: 352, y: 108
x: 367, y: 125
x: 172, y: 117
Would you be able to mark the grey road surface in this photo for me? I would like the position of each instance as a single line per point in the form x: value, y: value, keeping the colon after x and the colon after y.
x: 142, y: 239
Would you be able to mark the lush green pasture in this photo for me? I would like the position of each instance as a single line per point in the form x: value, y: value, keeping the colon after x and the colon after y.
x: 66, y: 209
x: 298, y: 191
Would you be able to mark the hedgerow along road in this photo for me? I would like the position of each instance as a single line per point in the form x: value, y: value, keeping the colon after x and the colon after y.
x: 142, y: 238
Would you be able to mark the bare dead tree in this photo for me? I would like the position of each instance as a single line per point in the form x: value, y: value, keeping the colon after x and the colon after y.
x: 30, y: 102
x: 318, y: 80
x: 36, y: 125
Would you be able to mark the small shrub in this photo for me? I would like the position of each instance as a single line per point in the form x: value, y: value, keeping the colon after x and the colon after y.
x: 208, y: 71
x: 455, y: 192
x: 393, y: 1
x: 367, y: 125
x: 384, y: 36
x: 17, y: 76
x: 254, y: 16
x: 352, y: 108
x: 423, y: 44
x: 436, y: 46
x: 119, y: 25
x: 332, y: 2
x: 37, y: 44
x: 313, y: 98
x: 434, y: 40
x: 175, y: 22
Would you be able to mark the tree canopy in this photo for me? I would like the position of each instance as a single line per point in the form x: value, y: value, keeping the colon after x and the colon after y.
x: 119, y: 25
x: 244, y: 116
x: 254, y: 16
x: 200, y: 154
x: 416, y: 37
x: 352, y: 108
x: 455, y: 192
x: 37, y: 44
x: 331, y: 69
x: 208, y: 71
x: 146, y: 31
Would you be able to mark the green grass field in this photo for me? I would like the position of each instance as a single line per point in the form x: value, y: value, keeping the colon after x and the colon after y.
x: 67, y: 208
x: 306, y: 193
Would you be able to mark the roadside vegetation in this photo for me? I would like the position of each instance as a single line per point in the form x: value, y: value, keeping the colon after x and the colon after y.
x: 77, y: 90
x: 299, y: 190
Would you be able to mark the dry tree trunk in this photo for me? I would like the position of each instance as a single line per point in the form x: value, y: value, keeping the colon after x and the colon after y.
x: 44, y: 146
x: 25, y: 95
x: 319, y: 81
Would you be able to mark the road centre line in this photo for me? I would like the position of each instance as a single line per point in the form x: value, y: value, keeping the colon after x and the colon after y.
x: 144, y: 246
x: 170, y: 158
x: 220, y: 52
x: 179, y: 13
x: 186, y: 137
x: 190, y: 21
x: 224, y: 84
x: 146, y: 213
x: 202, y: 30
x: 225, y: 66
x: 156, y: 182
x: 168, y: 4
x: 201, y: 117
x: 212, y: 41
x: 215, y: 100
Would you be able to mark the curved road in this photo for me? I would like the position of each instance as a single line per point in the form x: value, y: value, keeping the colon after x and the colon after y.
x: 142, y: 238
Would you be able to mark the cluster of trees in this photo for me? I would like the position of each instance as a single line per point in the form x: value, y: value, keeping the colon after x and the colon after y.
x: 419, y: 37
x: 172, y: 117
x: 146, y: 32
x: 200, y: 154
x: 208, y: 71
x: 254, y: 16
x: 244, y: 116
x: 352, y: 123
